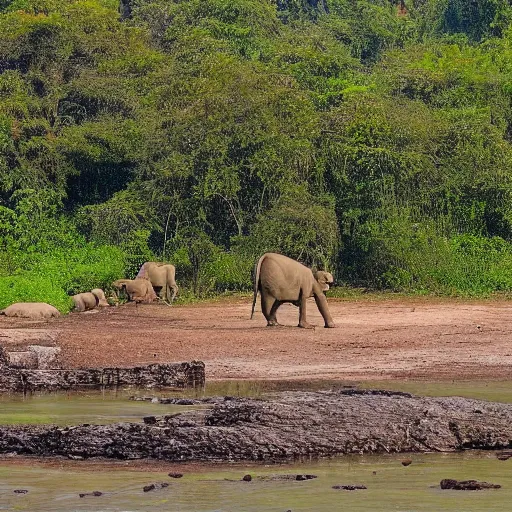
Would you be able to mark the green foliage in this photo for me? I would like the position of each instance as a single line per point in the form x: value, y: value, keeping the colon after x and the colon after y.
x: 54, y: 277
x: 369, y: 137
x: 300, y: 226
x: 476, y: 19
x: 33, y: 288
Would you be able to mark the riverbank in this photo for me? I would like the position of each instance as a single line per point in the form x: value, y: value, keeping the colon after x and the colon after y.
x: 383, y: 339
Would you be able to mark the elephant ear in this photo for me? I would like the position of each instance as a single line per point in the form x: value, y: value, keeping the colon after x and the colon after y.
x: 142, y: 272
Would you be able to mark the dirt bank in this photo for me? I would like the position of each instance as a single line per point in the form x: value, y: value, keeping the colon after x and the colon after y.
x: 287, y: 426
x: 404, y: 338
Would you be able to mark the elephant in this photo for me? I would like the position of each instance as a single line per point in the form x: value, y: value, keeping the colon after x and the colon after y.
x: 100, y: 295
x: 31, y: 310
x: 84, y: 301
x: 138, y: 290
x: 280, y: 279
x: 162, y: 277
x: 90, y: 300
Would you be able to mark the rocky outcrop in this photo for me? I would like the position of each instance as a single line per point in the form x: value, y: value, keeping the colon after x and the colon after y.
x: 288, y: 426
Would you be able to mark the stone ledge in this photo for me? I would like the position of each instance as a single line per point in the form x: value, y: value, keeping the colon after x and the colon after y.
x: 171, y: 375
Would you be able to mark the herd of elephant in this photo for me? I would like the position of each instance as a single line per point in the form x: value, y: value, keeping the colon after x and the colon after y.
x: 277, y: 278
x: 154, y: 280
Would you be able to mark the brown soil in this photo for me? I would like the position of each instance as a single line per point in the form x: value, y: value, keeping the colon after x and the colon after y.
x: 374, y: 340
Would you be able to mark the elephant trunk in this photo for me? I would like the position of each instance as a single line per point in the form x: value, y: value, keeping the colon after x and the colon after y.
x: 321, y: 303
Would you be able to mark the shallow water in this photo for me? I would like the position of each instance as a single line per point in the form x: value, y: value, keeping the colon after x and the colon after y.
x: 393, y: 487
x: 493, y: 391
x: 94, y: 407
x: 109, y: 406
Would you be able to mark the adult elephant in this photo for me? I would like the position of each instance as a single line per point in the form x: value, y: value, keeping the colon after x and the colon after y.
x: 162, y: 277
x: 280, y: 279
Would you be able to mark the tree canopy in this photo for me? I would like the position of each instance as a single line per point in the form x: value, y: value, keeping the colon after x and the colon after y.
x: 368, y: 137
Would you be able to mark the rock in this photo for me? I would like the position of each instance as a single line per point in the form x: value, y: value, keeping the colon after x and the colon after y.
x: 504, y: 455
x: 149, y: 420
x: 47, y: 357
x: 34, y: 310
x: 467, y: 485
x: 175, y: 375
x: 176, y: 475
x: 304, y: 477
x: 349, y: 487
x: 247, y: 478
x: 406, y: 462
x: 20, y: 491
x: 26, y: 360
x: 287, y: 426
x: 155, y: 486
x: 94, y: 493
x: 75, y: 457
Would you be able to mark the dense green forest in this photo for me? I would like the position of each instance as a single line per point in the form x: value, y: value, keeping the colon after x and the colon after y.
x: 372, y: 138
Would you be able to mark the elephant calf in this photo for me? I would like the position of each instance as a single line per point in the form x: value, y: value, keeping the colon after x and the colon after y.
x: 138, y: 290
x: 89, y: 300
x: 280, y: 279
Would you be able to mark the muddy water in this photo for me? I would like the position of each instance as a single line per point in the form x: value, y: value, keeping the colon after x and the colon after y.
x: 493, y: 391
x: 390, y: 487
x: 101, y: 407
x: 95, y: 407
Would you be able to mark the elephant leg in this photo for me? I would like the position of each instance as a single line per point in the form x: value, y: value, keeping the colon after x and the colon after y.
x: 273, y: 312
x: 174, y: 292
x: 267, y: 307
x: 302, y: 312
x: 321, y: 303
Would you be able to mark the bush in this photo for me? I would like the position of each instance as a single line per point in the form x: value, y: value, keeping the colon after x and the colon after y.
x: 33, y: 288
x: 54, y: 277
x: 205, y: 267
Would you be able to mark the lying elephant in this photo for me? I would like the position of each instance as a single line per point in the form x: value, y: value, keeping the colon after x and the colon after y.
x: 162, y: 277
x: 280, y: 279
x: 138, y: 290
x: 89, y: 300
x: 31, y: 310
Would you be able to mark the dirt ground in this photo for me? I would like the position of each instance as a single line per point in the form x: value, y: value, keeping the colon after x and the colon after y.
x: 374, y: 340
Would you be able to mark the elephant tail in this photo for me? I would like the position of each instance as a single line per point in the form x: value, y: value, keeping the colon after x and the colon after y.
x: 256, y: 283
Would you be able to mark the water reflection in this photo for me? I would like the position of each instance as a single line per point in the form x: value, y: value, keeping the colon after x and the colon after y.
x: 390, y: 487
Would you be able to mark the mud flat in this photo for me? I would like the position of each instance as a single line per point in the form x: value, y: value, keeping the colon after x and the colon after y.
x: 286, y: 426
